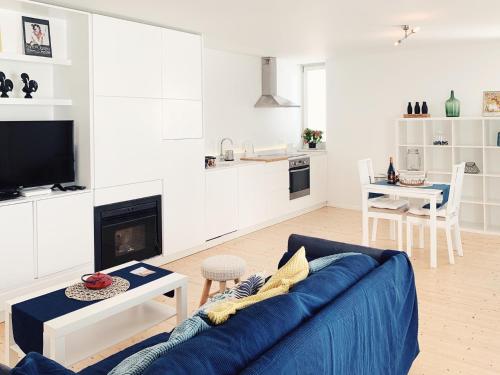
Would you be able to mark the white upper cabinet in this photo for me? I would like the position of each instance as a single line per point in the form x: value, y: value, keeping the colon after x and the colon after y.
x: 127, y: 140
x: 127, y: 58
x: 182, y: 119
x: 182, y: 65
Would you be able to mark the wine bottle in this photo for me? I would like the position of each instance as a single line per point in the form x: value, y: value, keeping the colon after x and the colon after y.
x: 391, y: 172
x: 409, y: 109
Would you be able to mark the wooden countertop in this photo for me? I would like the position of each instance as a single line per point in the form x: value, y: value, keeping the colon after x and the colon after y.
x: 265, y: 158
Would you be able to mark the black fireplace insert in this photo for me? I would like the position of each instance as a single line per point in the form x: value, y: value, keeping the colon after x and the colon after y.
x: 127, y: 231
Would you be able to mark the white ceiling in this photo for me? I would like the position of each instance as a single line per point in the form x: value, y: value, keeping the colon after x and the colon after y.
x: 310, y: 29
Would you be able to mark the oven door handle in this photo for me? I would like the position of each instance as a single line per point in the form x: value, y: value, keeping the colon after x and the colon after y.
x: 299, y: 170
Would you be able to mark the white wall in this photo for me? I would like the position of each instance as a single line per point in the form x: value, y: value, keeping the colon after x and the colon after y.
x: 232, y: 85
x: 367, y: 92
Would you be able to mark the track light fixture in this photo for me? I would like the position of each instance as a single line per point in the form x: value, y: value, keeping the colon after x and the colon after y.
x: 408, y: 32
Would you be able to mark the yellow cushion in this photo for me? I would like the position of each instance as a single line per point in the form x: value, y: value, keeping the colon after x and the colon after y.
x: 295, y: 270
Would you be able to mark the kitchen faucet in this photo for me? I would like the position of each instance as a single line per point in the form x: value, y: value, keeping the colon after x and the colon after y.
x: 221, y: 156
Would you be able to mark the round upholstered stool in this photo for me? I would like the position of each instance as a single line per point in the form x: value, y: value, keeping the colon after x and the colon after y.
x: 221, y: 268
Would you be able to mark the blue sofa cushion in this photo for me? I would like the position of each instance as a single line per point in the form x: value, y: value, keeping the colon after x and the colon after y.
x: 229, y: 348
x: 317, y: 248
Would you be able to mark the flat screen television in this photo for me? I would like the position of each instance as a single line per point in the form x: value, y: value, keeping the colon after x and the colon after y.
x: 36, y: 153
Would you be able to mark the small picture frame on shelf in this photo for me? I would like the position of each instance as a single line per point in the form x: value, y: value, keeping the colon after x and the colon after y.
x: 36, y: 34
x: 491, y: 103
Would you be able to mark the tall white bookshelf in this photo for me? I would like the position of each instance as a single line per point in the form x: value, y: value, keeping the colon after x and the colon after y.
x: 469, y: 139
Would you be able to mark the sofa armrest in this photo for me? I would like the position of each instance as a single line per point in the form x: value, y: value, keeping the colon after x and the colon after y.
x: 317, y: 248
x: 4, y: 370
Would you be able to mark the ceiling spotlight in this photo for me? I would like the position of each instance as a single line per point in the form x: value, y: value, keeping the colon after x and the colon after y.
x: 407, y: 33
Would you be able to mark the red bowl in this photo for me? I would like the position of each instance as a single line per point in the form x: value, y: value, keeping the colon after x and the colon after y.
x: 96, y: 280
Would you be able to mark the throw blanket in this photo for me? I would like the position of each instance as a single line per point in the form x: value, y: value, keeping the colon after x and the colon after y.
x: 295, y: 270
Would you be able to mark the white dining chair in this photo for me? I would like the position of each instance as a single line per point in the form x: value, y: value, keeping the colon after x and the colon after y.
x: 382, y: 207
x: 448, y: 216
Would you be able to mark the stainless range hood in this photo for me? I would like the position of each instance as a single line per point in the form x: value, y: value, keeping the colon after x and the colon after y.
x: 270, y: 97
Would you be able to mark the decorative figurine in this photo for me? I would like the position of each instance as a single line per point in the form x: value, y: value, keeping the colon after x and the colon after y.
x: 6, y: 85
x: 29, y: 86
x: 425, y: 109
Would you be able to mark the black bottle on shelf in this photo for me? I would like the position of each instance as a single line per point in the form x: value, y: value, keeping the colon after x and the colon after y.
x: 425, y: 109
x: 417, y: 108
x: 409, y: 109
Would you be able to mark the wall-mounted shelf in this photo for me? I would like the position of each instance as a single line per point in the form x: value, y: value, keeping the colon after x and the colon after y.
x: 39, y: 102
x: 34, y: 59
x: 471, y: 139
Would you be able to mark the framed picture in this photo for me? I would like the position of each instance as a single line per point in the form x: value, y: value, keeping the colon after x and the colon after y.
x: 491, y: 103
x: 36, y: 33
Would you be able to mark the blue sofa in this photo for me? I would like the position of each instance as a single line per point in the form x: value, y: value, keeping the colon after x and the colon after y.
x: 357, y: 316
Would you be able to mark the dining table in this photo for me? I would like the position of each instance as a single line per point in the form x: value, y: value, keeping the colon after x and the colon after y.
x: 429, y: 192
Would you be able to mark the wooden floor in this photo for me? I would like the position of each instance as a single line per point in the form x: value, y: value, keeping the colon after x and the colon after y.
x: 459, y: 305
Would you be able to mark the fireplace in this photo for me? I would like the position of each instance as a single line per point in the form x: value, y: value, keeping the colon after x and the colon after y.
x: 127, y: 231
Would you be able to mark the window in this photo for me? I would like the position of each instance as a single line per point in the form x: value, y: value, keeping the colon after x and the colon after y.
x: 314, y: 83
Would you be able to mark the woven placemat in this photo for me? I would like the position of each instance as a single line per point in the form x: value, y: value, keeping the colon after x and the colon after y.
x: 81, y: 293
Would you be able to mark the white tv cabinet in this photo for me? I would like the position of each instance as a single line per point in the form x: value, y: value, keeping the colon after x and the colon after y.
x: 44, y: 238
x: 469, y: 139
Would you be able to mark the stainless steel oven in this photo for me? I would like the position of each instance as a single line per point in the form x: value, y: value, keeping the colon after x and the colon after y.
x: 299, y: 172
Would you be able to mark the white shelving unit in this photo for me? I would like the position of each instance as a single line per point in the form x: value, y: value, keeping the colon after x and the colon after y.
x: 469, y: 139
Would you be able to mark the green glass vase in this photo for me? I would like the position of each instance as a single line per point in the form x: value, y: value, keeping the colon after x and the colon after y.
x: 452, y: 106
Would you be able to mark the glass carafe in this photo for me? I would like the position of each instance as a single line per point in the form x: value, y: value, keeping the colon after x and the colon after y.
x: 413, y: 159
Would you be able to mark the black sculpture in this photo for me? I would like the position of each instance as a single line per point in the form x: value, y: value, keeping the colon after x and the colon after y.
x: 6, y: 85
x: 29, y: 86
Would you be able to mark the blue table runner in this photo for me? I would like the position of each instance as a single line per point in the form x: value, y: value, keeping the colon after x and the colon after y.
x: 28, y: 316
x: 445, y: 192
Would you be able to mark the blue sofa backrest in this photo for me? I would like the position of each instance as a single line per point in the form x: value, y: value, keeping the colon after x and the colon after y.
x: 318, y: 247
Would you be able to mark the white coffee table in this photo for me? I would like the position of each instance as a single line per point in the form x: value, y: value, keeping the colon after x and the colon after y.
x: 84, y: 332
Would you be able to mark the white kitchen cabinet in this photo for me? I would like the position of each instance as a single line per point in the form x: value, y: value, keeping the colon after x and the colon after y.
x: 279, y: 194
x: 182, y: 65
x: 319, y: 179
x: 221, y: 202
x: 184, y: 195
x: 127, y: 140
x: 127, y: 58
x: 252, y: 195
x: 64, y: 232
x: 16, y: 245
x: 182, y: 119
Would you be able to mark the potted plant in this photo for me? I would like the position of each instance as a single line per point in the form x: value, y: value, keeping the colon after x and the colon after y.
x: 312, y: 137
